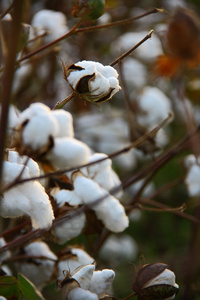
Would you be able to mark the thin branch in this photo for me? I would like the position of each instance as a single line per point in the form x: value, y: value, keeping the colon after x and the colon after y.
x: 60, y: 105
x: 148, y: 36
x: 121, y: 22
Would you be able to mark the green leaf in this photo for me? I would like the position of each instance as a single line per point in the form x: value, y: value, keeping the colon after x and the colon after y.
x: 28, y: 289
x: 9, y: 287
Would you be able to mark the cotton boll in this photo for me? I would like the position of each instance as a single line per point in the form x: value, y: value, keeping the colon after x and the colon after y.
x: 52, y: 21
x: 40, y: 270
x: 108, y: 210
x: 81, y: 294
x: 83, y: 276
x: 166, y: 277
x: 135, y: 73
x: 101, y: 282
x: 22, y: 74
x: 79, y: 258
x: 65, y: 123
x: 191, y: 160
x: 69, y: 228
x: 192, y: 181
x: 69, y: 197
x: 38, y: 130
x: 118, y: 249
x: 68, y: 152
x: 154, y: 106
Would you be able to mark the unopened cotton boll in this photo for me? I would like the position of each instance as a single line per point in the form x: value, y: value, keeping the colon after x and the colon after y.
x: 68, y: 152
x: 53, y: 21
x: 39, y: 271
x: 101, y: 282
x: 65, y: 123
x: 69, y: 228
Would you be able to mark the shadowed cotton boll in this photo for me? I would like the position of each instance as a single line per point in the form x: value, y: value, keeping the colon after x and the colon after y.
x: 101, y: 282
x: 148, y: 51
x: 39, y: 271
x: 54, y: 22
x: 118, y: 249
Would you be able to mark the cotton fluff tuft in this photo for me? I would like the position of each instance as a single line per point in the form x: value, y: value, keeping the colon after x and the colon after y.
x: 102, y: 85
x: 40, y: 270
x: 109, y: 210
x: 28, y: 198
x: 54, y: 22
x: 83, y: 276
x: 65, y: 123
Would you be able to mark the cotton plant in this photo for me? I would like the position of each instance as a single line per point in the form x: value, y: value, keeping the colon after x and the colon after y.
x: 93, y: 81
x: 87, y: 283
x: 41, y: 267
x: 192, y: 165
x: 28, y: 198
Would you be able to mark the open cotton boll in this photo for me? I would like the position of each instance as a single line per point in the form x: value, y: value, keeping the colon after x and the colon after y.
x: 83, y: 276
x: 154, y: 106
x: 135, y: 73
x: 39, y: 271
x: 68, y: 152
x: 192, y: 180
x: 69, y: 228
x: 53, y: 21
x: 101, y: 282
x: 94, y: 169
x: 38, y: 130
x: 99, y: 86
x: 65, y: 123
x: 108, y: 210
x: 118, y: 249
x: 81, y: 294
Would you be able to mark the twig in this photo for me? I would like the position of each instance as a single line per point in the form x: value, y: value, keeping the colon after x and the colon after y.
x: 121, y: 22
x: 60, y: 105
x: 148, y: 36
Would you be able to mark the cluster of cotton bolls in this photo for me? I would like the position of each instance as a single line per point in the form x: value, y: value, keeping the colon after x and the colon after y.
x: 85, y: 282
x: 49, y: 136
